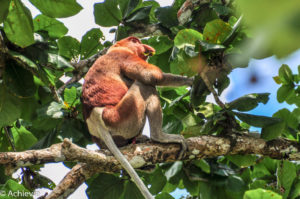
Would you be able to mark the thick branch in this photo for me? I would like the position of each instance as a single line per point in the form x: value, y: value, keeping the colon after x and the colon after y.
x: 141, y: 155
x: 149, y: 153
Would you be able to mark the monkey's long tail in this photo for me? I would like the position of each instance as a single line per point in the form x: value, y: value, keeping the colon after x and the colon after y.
x: 107, y: 138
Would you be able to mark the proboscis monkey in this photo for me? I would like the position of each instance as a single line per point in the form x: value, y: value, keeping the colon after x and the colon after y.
x: 119, y: 93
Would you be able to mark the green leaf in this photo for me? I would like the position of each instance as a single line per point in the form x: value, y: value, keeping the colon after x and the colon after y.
x: 10, y: 107
x: 154, y: 5
x: 173, y: 170
x: 18, y: 25
x: 53, y: 110
x: 172, y: 125
x: 140, y: 14
x: 69, y: 47
x: 203, y: 165
x: 70, y: 95
x: 19, y: 80
x: 107, y: 13
x: 131, y: 191
x: 216, y: 31
x: 192, y: 186
x: 187, y: 37
x: 90, y: 43
x: 3, y: 9
x: 249, y: 101
x: 232, y: 34
x: 105, y: 185
x: 257, y: 120
x: 57, y: 8
x: 295, y: 192
x: 277, y: 79
x: 71, y: 129
x: 12, y: 186
x: 59, y: 63
x: 25, y: 59
x: 24, y: 139
x: 55, y: 28
x: 167, y: 16
x: 242, y: 160
x: 161, y: 44
x: 127, y: 6
x: 43, y: 181
x: 286, y: 174
x: 261, y: 193
x: 286, y: 116
x: 158, y: 181
x: 205, y: 46
x: 285, y: 75
x: 272, y: 131
x: 285, y: 92
x: 164, y: 195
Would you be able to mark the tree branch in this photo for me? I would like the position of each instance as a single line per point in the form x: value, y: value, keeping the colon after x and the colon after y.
x: 144, y: 154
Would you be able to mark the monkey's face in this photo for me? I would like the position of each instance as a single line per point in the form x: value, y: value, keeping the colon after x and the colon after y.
x: 135, y: 45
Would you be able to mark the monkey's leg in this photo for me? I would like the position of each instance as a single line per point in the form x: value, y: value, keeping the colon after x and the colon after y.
x: 154, y: 114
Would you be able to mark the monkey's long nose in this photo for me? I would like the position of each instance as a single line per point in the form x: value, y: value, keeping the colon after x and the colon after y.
x: 149, y: 51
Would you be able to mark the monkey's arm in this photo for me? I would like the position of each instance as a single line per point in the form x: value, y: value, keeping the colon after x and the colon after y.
x: 175, y: 80
x: 149, y: 74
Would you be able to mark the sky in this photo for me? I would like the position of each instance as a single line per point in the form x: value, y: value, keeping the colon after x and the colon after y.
x: 240, y: 85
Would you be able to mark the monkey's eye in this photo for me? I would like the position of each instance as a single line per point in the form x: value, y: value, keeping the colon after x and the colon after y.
x: 135, y: 40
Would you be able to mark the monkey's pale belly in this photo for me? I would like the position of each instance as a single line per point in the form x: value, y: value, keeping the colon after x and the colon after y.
x: 128, y: 130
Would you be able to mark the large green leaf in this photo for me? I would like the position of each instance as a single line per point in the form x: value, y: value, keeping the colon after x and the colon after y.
x: 216, y: 31
x: 256, y: 120
x: 69, y: 47
x: 272, y: 131
x: 275, y: 29
x: 3, y: 9
x: 107, y: 13
x: 174, y: 170
x: 286, y: 75
x: 285, y: 92
x: 131, y: 191
x: 187, y: 37
x: 90, y: 43
x: 18, y: 24
x: 249, y: 101
x: 14, y: 187
x: 242, y: 160
x: 57, y: 8
x: 262, y: 194
x: 127, y: 6
x: 158, y: 181
x: 55, y: 28
x: 19, y: 80
x: 172, y: 125
x: 167, y: 16
x: 59, y: 62
x: 10, y: 107
x: 105, y: 185
x: 161, y: 44
x: 286, y: 174
x: 139, y: 14
x: 23, y: 138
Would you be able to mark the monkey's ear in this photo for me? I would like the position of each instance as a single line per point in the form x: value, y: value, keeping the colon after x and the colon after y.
x: 134, y: 39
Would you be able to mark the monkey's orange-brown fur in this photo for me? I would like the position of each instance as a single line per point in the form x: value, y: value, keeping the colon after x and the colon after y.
x: 119, y: 93
x: 109, y: 79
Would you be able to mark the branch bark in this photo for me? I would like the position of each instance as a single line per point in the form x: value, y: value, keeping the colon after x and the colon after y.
x: 144, y: 154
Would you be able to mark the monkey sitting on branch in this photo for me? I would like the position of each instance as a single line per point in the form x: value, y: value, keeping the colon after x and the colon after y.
x: 119, y: 93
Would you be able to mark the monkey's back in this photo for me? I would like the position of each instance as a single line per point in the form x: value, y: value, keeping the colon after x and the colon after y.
x: 103, y: 84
